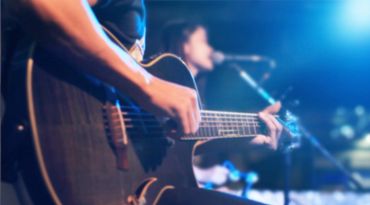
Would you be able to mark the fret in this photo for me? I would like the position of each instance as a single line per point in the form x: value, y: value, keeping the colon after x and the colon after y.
x: 215, y: 122
x: 244, y: 127
x: 209, y: 129
x: 254, y: 128
x: 210, y: 123
x: 249, y: 129
x: 232, y: 124
x: 245, y: 124
x: 219, y: 125
x: 239, y: 129
x: 249, y: 123
x: 200, y: 131
x: 219, y: 122
x: 229, y: 125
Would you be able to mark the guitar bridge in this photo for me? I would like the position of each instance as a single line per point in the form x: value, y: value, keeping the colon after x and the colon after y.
x: 115, y: 129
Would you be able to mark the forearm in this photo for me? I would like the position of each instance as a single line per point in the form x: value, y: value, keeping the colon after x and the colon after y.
x: 70, y: 28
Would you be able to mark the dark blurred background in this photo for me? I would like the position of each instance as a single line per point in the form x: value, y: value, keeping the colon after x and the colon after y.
x: 322, y: 50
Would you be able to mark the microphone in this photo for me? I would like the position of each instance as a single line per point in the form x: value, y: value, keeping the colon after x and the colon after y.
x: 219, y: 57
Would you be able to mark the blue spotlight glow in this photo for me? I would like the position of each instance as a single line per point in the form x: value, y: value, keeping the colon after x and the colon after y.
x: 356, y: 15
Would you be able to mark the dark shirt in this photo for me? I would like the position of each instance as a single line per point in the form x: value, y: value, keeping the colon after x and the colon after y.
x: 124, y: 18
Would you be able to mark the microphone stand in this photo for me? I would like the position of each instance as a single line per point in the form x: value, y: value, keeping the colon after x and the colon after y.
x: 305, y: 133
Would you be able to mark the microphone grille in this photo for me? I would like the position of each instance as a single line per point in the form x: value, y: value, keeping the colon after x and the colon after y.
x: 218, y: 57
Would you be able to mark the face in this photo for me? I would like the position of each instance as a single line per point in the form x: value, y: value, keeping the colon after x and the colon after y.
x: 197, y: 50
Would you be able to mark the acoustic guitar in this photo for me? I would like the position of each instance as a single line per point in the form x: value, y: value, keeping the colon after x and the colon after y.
x: 94, y: 146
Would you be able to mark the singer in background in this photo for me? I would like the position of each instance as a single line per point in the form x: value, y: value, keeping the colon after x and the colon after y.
x: 189, y: 41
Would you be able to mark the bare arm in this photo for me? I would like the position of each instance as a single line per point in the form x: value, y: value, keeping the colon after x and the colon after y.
x: 71, y: 27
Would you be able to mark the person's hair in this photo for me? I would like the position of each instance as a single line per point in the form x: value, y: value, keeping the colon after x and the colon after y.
x: 175, y: 34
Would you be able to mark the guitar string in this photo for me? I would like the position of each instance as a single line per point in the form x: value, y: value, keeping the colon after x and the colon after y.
x: 235, y: 126
x: 203, y: 132
x: 191, y: 137
x: 233, y: 121
x: 210, y: 120
x: 204, y: 117
x: 220, y: 116
x: 123, y: 107
x: 205, y: 120
x: 209, y: 130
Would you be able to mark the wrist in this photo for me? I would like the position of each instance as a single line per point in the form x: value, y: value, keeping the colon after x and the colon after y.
x: 138, y: 85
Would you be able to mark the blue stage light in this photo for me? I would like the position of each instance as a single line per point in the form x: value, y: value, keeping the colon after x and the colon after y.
x: 357, y: 15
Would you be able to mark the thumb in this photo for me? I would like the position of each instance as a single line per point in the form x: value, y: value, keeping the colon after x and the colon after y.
x: 273, y: 109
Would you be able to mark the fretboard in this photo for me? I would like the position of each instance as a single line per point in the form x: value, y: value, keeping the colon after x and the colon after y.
x: 214, y: 124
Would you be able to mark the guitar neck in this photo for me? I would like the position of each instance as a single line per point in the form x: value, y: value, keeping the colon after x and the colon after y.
x: 214, y: 124
x: 219, y: 125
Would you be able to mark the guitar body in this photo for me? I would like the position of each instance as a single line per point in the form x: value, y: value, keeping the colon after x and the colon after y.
x: 75, y: 156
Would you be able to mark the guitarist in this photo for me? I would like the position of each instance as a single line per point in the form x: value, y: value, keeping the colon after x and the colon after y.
x: 70, y: 30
